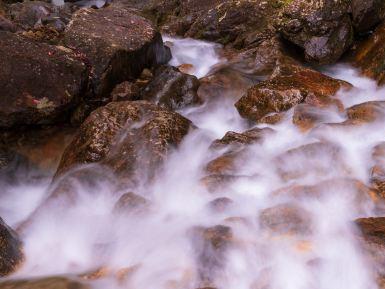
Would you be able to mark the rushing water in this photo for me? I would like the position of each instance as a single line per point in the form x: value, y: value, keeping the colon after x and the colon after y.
x: 157, y: 245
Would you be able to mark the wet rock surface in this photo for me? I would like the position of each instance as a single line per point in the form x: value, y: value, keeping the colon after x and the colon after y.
x: 11, y: 255
x: 322, y: 28
x: 140, y: 131
x: 39, y: 83
x: 287, y: 90
x: 369, y: 55
x: 172, y: 89
x: 44, y: 283
x: 117, y: 44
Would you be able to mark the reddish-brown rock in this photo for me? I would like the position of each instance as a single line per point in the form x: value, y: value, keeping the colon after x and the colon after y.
x: 129, y: 137
x: 39, y: 83
x: 287, y: 90
x: 285, y: 219
x: 369, y: 55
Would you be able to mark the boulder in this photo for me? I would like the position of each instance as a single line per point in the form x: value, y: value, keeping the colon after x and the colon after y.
x: 370, y: 54
x: 129, y: 137
x: 285, y: 219
x: 116, y: 43
x: 366, y: 112
x: 210, y: 245
x: 44, y: 283
x: 131, y: 203
x: 322, y: 28
x: 39, y: 83
x: 172, y: 89
x: 235, y: 139
x: 32, y: 14
x: 372, y: 237
x: 315, y: 159
x: 286, y: 90
x: 236, y: 23
x: 367, y: 14
x: 220, y: 205
x: 11, y: 255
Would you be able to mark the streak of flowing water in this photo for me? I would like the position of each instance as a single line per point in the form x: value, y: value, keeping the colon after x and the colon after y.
x: 158, y: 246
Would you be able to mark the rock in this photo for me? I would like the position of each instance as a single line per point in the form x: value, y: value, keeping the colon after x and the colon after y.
x: 129, y: 137
x: 315, y: 159
x: 217, y: 183
x: 226, y: 164
x: 322, y: 28
x: 131, y: 203
x: 262, y: 59
x: 235, y: 23
x: 224, y: 82
x: 186, y: 68
x: 7, y: 25
x: 367, y: 14
x: 11, y: 255
x: 353, y: 190
x: 117, y: 44
x: 366, y: 112
x: 369, y: 56
x: 210, y: 246
x: 285, y: 219
x: 126, y: 91
x: 219, y: 205
x: 284, y: 91
x: 172, y: 89
x: 372, y: 238
x: 39, y: 83
x: 307, y: 116
x: 41, y: 17
x: 44, y: 283
x: 234, y: 139
x: 377, y: 174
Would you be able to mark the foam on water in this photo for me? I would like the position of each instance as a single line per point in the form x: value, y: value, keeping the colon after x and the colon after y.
x: 158, y: 247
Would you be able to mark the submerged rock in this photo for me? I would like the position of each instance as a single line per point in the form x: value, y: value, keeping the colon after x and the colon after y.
x: 116, y: 43
x: 172, y: 88
x: 39, y: 83
x: 285, y: 219
x: 44, y: 283
x: 322, y: 28
x: 131, y: 138
x: 11, y: 254
x: 210, y: 245
x: 131, y: 203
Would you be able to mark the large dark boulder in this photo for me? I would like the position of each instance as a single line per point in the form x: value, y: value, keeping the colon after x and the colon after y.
x: 39, y: 83
x: 367, y: 14
x: 116, y: 43
x: 130, y: 137
x: 322, y: 28
x: 172, y: 88
x: 11, y: 254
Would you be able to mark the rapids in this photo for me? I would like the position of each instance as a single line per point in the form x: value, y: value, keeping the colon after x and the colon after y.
x: 157, y: 246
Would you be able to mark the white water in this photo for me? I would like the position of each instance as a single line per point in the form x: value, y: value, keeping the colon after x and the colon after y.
x: 87, y: 235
